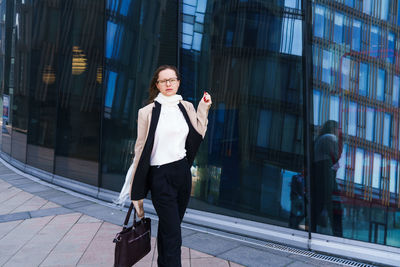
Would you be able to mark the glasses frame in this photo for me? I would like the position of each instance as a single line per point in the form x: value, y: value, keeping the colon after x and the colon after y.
x: 172, y: 81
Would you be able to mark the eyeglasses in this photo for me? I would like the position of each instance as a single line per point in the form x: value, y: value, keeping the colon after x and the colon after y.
x: 172, y: 81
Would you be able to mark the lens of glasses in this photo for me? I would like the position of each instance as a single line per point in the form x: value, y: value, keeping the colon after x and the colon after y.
x: 172, y: 81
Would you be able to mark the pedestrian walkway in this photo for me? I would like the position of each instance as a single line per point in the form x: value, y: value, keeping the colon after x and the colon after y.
x: 44, y: 225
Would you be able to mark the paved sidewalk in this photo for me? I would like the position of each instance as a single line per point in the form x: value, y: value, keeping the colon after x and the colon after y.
x: 40, y: 225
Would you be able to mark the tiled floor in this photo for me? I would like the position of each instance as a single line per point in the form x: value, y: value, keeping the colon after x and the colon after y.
x: 42, y: 224
x: 69, y: 239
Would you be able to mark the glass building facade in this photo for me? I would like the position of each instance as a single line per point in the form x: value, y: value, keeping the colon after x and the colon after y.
x: 304, y: 128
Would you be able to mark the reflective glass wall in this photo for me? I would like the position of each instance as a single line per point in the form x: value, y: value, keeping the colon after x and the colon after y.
x: 248, y: 56
x: 140, y: 36
x: 74, y: 74
x: 355, y: 185
x: 53, y: 84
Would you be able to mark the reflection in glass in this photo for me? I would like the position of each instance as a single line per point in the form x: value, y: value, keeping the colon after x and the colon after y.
x: 326, y: 66
x: 356, y: 35
x: 259, y: 160
x: 380, y: 85
x: 338, y: 28
x: 319, y: 21
x: 367, y: 172
x: 138, y: 38
x: 363, y: 79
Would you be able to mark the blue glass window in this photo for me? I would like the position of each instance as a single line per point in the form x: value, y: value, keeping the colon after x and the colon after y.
x: 264, y: 126
x: 345, y: 70
x: 293, y: 3
x: 352, y: 122
x: 370, y: 124
x: 398, y: 17
x: 291, y: 37
x: 112, y: 79
x: 342, y: 164
x: 326, y: 66
x: 112, y: 5
x: 395, y: 93
x: 334, y: 108
x: 363, y: 79
x: 380, y: 85
x: 316, y: 104
x: 393, y: 176
x: 390, y: 52
x: 349, y: 3
x: 356, y: 35
x: 384, y: 9
x: 319, y: 21
x: 374, y: 41
x: 376, y: 170
x: 188, y: 10
x: 338, y: 28
x: 386, y: 129
x: 359, y: 164
x: 197, y: 37
x: 201, y: 6
x: 125, y: 7
x: 367, y: 6
x: 112, y: 44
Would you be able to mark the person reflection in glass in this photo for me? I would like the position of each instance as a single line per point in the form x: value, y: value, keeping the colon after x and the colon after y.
x: 297, y: 200
x: 325, y: 202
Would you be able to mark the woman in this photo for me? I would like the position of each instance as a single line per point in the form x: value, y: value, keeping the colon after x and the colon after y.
x: 169, y: 133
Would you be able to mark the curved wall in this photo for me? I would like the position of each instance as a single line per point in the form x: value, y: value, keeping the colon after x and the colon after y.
x: 74, y: 74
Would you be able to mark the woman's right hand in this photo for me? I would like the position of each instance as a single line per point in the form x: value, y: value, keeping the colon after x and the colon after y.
x: 138, y: 205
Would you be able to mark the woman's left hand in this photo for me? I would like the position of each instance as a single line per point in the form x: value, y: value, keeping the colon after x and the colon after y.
x: 207, y: 98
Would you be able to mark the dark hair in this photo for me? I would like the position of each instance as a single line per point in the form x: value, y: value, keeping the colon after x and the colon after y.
x: 153, y: 90
x: 329, y: 127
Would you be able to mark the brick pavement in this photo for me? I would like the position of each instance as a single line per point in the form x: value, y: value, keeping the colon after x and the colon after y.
x: 70, y: 239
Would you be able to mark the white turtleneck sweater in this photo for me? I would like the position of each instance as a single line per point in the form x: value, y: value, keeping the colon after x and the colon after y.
x: 171, y: 132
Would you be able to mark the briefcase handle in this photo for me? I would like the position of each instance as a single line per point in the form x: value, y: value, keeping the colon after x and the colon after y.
x: 129, y: 215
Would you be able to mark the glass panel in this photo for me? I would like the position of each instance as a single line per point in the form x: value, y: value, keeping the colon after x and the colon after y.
x: 334, y: 108
x: 233, y: 177
x: 316, y: 102
x: 384, y: 9
x: 135, y: 46
x: 319, y: 21
x: 349, y: 3
x: 380, y: 85
x: 395, y: 93
x: 367, y: 6
x: 374, y: 41
x: 45, y: 60
x: 79, y: 98
x: 346, y: 73
x: 359, y: 165
x: 356, y: 35
x: 326, y: 66
x: 352, y: 122
x: 291, y: 37
x: 338, y: 28
x: 393, y: 176
x: 370, y: 124
x: 363, y: 79
x: 391, y: 52
x: 376, y: 173
x: 386, y: 129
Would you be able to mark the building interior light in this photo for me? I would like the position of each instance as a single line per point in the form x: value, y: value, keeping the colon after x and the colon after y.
x: 79, y: 61
x: 48, y: 76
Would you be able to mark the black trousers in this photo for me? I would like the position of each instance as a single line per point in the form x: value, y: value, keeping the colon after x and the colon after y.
x: 170, y: 186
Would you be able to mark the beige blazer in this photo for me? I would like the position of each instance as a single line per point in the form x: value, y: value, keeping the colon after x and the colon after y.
x: 197, y: 118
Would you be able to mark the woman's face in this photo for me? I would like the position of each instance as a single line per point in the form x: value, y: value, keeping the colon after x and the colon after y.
x: 167, y: 82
